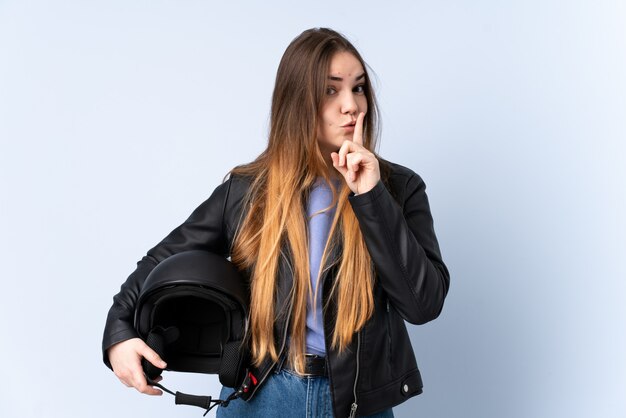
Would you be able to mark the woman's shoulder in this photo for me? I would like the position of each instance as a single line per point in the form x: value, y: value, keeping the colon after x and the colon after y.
x: 238, y: 179
x: 234, y: 186
x: 397, y: 175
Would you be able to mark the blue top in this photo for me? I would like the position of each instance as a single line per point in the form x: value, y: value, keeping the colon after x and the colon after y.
x: 319, y: 226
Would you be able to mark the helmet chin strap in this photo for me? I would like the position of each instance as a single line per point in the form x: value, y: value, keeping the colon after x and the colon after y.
x: 205, y: 402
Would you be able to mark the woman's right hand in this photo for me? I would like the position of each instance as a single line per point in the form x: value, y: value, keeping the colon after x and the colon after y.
x: 125, y: 358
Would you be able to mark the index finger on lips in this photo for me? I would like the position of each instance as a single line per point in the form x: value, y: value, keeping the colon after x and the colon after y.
x: 358, y: 129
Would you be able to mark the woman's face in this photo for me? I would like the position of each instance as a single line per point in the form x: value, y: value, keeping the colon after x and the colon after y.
x: 343, y: 101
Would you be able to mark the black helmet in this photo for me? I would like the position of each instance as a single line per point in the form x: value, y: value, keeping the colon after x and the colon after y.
x: 192, y: 311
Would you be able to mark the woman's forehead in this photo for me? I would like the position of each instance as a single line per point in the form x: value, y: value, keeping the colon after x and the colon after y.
x: 344, y: 65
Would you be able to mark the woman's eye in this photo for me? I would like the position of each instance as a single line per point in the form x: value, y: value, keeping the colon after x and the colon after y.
x: 330, y: 90
x: 360, y: 88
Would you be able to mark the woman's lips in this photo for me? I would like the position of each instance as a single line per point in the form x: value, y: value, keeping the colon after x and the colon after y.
x: 349, y: 126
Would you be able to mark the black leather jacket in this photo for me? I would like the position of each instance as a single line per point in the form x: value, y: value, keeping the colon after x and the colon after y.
x: 378, y: 370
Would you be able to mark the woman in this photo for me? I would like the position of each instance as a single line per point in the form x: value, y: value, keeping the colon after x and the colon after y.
x: 338, y: 245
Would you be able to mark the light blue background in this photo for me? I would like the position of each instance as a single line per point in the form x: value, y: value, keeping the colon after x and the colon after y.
x: 117, y: 118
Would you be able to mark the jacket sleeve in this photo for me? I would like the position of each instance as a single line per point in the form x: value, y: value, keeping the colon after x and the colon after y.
x: 203, y: 230
x: 404, y: 249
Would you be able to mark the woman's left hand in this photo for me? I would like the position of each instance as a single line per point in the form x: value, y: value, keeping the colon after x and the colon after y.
x: 358, y: 166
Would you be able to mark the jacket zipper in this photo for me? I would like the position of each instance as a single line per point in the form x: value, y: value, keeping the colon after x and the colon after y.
x: 356, y: 378
x: 389, y: 332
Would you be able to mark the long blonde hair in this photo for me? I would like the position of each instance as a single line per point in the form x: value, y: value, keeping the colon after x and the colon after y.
x: 275, y: 221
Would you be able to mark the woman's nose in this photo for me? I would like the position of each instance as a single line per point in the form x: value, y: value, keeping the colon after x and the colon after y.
x: 348, y: 104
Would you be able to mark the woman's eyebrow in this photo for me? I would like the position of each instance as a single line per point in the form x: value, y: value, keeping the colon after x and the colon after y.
x: 334, y: 78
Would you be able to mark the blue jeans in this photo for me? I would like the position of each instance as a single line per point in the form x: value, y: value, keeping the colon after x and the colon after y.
x: 285, y: 394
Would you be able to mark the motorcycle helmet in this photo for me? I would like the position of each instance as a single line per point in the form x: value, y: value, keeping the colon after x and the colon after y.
x: 192, y: 310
